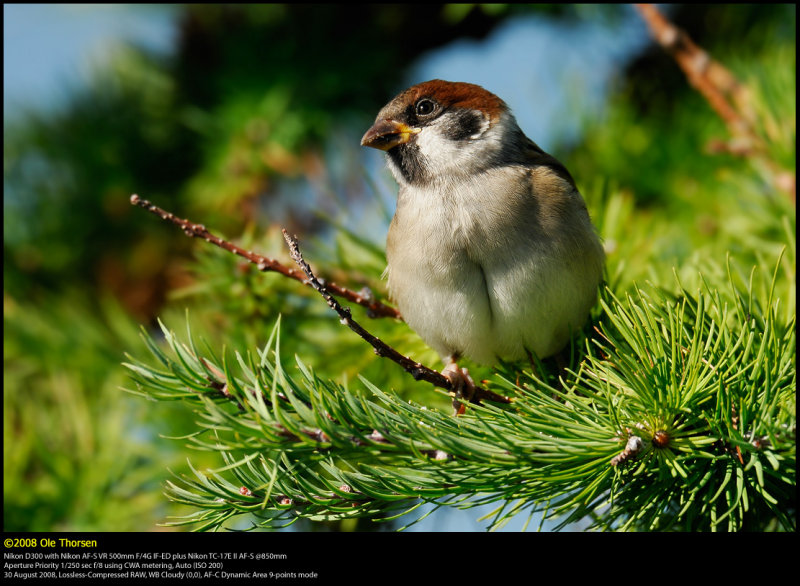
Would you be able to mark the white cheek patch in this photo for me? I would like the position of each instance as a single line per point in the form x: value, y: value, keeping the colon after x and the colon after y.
x: 438, y: 151
x: 443, y: 155
x: 484, y: 127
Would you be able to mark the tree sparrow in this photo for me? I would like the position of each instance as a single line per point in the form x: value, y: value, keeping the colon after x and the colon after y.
x: 491, y: 253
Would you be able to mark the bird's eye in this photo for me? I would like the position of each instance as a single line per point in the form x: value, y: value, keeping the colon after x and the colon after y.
x: 425, y: 107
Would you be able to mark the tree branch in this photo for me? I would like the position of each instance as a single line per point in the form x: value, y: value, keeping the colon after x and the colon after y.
x: 417, y: 370
x: 328, y: 291
x: 729, y: 98
x: 363, y: 298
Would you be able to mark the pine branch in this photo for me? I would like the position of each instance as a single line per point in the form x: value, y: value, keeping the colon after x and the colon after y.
x: 704, y: 380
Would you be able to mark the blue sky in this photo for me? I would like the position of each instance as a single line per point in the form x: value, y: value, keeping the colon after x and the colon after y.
x: 49, y: 48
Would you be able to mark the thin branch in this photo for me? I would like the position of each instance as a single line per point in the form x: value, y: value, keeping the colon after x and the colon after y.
x: 363, y: 298
x: 715, y: 82
x: 417, y: 370
x: 327, y: 290
x: 729, y: 98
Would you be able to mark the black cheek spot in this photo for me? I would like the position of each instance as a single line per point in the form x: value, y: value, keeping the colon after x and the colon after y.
x: 463, y: 125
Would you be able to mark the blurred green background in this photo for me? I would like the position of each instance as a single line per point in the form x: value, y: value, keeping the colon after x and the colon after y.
x: 247, y: 118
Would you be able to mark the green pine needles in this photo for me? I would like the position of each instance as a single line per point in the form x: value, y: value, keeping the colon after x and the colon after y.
x: 680, y: 415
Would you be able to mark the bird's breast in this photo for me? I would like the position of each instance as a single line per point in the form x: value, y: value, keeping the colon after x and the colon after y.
x: 483, y: 272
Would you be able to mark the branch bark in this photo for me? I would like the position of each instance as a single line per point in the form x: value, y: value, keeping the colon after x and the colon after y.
x: 729, y: 98
x: 265, y: 264
x: 417, y: 370
x: 328, y: 290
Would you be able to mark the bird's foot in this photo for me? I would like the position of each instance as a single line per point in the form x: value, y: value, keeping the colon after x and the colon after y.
x: 463, y: 385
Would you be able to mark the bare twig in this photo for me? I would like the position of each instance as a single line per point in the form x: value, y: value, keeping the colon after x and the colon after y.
x: 417, y: 370
x: 715, y: 82
x: 365, y: 298
x: 328, y: 290
x: 728, y: 97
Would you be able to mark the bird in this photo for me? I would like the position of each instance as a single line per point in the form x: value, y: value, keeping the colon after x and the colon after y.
x: 491, y: 253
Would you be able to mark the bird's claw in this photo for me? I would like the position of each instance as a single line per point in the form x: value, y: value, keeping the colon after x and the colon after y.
x: 462, y: 384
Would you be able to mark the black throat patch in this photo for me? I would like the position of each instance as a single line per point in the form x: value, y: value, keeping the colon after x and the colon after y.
x: 407, y: 159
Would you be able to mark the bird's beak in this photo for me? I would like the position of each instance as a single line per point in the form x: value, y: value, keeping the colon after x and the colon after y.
x: 387, y: 134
